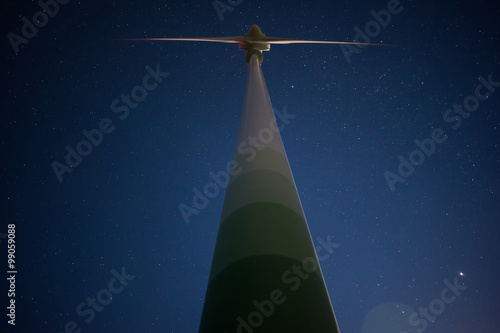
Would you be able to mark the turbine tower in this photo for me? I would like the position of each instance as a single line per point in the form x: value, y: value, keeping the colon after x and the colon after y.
x: 265, y: 275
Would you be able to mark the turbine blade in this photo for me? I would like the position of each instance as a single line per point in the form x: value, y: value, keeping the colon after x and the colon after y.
x: 275, y: 40
x: 236, y: 39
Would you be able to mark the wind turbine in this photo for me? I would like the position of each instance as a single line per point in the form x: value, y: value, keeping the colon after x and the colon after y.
x: 265, y: 274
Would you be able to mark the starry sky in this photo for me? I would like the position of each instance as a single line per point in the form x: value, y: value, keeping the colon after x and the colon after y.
x: 395, y: 151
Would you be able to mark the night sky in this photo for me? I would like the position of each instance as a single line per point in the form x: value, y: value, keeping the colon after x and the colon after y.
x: 416, y: 249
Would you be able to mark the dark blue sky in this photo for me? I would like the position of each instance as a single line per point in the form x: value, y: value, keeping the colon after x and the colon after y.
x: 116, y: 213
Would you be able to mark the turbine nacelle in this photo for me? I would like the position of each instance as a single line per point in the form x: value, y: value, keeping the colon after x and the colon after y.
x: 253, y: 44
